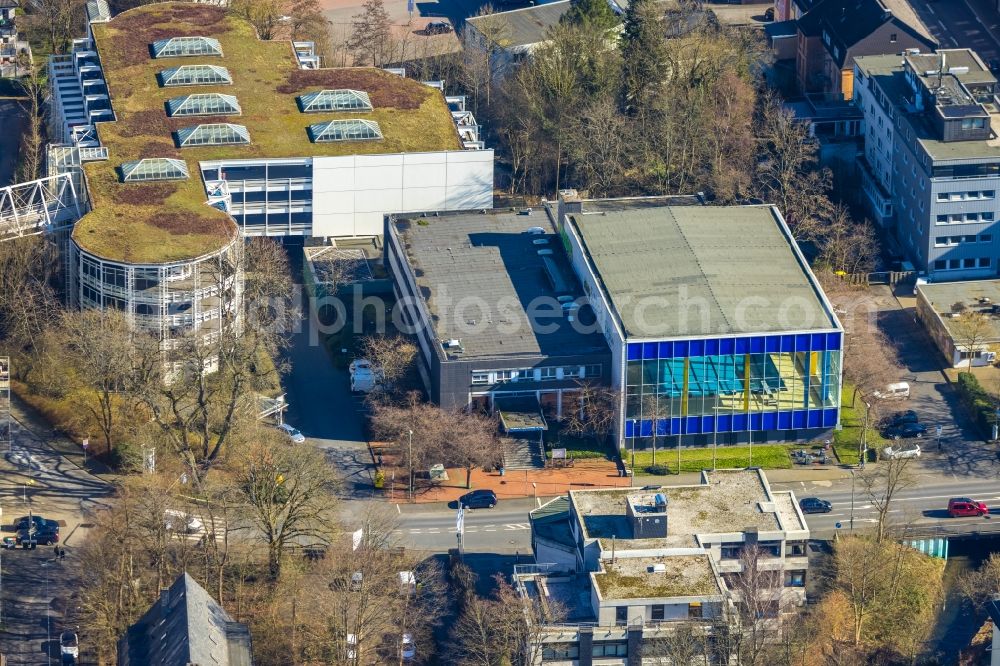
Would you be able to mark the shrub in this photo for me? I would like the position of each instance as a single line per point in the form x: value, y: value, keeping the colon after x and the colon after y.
x: 977, y: 400
x: 657, y: 470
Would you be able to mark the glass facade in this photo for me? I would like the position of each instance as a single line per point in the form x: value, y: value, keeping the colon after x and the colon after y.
x: 759, y: 383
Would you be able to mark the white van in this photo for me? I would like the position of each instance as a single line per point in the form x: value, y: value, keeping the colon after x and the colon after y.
x: 896, y: 391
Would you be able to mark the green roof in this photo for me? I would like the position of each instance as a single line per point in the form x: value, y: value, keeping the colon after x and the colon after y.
x: 658, y: 578
x: 170, y: 221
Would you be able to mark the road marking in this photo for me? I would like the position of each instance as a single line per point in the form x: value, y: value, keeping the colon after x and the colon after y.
x: 515, y: 526
x: 930, y: 9
x: 398, y: 509
x: 490, y: 529
x: 433, y: 530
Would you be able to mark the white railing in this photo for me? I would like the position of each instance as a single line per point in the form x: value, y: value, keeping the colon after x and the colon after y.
x: 39, y: 205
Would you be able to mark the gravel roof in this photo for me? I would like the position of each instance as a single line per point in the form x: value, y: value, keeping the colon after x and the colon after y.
x: 633, y: 578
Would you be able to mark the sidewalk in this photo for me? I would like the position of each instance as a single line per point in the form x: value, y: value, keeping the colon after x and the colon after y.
x: 34, y: 422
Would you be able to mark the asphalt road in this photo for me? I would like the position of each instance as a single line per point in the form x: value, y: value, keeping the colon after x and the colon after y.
x: 971, y: 24
x: 502, y: 529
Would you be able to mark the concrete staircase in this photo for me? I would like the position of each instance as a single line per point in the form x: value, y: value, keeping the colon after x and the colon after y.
x: 523, y: 454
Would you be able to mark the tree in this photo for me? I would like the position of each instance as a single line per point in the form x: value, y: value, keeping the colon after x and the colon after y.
x: 643, y: 55
x: 846, y: 246
x: 757, y: 597
x: 882, y: 483
x: 288, y: 491
x: 27, y: 301
x: 484, y: 64
x: 31, y: 154
x: 596, y: 413
x: 59, y: 20
x: 971, y: 331
x: 392, y: 354
x: 981, y: 585
x: 294, y: 19
x: 685, y: 643
x: 591, y: 13
x: 371, y: 35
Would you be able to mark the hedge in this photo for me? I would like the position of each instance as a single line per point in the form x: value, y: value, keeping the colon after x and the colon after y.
x: 977, y: 400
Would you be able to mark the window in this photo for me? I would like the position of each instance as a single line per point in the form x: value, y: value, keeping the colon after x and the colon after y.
x: 548, y: 374
x: 694, y: 610
x: 176, y: 47
x: 985, y: 238
x: 984, y: 262
x: 195, y: 75
x: 616, y: 649
x: 954, y: 264
x: 732, y: 552
x: 892, y: 38
x: 973, y: 123
x: 345, y: 130
x: 795, y: 579
x: 658, y: 611
x: 214, y: 134
x: 504, y: 375
x: 594, y: 371
x: 968, y: 262
x: 154, y: 168
x: 621, y: 614
x: 203, y: 104
x: 335, y: 100
x: 795, y: 548
x: 769, y: 549
x: 560, y: 651
x: 480, y: 378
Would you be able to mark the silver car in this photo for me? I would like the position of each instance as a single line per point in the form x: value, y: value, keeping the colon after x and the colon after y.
x: 899, y: 451
x: 293, y: 434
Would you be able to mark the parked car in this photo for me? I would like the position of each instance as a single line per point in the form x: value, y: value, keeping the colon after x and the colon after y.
x: 995, y: 65
x: 69, y: 647
x: 769, y: 14
x: 899, y: 418
x: 179, y: 521
x: 896, y: 391
x: 905, y: 431
x: 407, y: 649
x: 959, y: 507
x: 898, y: 451
x: 814, y: 505
x: 438, y: 28
x: 38, y: 521
x: 293, y: 434
x: 479, y: 499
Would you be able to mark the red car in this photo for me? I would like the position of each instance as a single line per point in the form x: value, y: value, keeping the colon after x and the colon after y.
x: 959, y: 507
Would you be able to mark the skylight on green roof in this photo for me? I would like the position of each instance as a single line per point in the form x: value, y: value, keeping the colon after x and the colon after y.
x: 345, y: 130
x: 195, y: 75
x: 177, y: 47
x: 154, y: 168
x: 203, y: 104
x: 212, y: 134
x: 335, y: 100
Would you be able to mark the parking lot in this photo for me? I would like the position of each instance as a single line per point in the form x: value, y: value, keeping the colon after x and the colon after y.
x: 972, y: 24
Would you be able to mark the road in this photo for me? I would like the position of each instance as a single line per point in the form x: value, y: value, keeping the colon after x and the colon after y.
x: 502, y: 529
x: 963, y: 23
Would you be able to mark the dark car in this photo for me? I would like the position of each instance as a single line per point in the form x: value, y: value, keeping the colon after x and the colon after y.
x: 39, y: 522
x: 905, y: 431
x: 769, y: 14
x: 438, y: 28
x: 995, y: 65
x: 814, y: 505
x: 479, y: 499
x: 899, y: 418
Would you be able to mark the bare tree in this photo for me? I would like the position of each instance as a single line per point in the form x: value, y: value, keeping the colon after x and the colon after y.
x: 485, y: 63
x: 846, y: 245
x: 31, y: 155
x: 682, y: 643
x: 371, y: 38
x: 971, y: 331
x: 392, y: 354
x: 757, y: 596
x: 596, y: 413
x: 882, y: 484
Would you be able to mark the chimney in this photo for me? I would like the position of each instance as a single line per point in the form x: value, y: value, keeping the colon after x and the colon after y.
x: 570, y: 203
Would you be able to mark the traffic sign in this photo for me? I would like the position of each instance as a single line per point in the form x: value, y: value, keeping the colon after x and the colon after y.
x: 838, y: 525
x: 939, y: 429
x: 86, y: 442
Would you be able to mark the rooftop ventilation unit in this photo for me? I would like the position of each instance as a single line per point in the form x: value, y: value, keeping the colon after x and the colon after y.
x: 540, y: 241
x: 659, y: 567
x: 544, y: 253
x: 535, y: 230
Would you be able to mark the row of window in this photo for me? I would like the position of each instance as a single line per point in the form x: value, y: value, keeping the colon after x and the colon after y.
x: 949, y: 241
x: 957, y: 218
x: 957, y: 264
x: 568, y: 651
x: 975, y: 195
x: 485, y: 377
x: 973, y: 123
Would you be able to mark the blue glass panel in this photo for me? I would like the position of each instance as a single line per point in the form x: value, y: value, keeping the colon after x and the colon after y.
x: 798, y: 419
x: 629, y: 429
x: 772, y: 344
x: 818, y: 342
x: 755, y: 421
x: 802, y: 342
x: 757, y: 345
x: 784, y: 420
x: 666, y: 349
x: 696, y: 348
x: 675, y: 426
x: 648, y: 350
x: 742, y: 345
x: 712, y: 347
x: 833, y: 340
x: 681, y: 349
x: 739, y: 422
x: 815, y: 419
x: 645, y: 428
x: 829, y: 418
x: 634, y: 351
x: 707, y: 425
x: 727, y: 346
x: 662, y: 427
x: 788, y: 343
x: 692, y: 425
x: 725, y: 423
x: 769, y: 421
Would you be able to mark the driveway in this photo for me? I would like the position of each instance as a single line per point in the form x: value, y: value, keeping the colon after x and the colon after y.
x: 963, y: 452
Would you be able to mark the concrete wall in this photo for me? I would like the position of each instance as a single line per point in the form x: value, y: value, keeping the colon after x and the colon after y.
x: 352, y: 193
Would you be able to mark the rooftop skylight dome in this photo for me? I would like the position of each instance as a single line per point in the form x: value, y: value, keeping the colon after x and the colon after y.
x: 154, y: 168
x: 203, y: 104
x: 195, y: 75
x: 177, y: 47
x: 212, y: 134
x: 335, y: 100
x: 345, y: 130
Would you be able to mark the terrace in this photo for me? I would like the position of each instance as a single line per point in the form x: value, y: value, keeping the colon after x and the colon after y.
x: 170, y: 221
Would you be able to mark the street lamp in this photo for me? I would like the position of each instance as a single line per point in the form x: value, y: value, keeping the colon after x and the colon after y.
x: 852, y: 501
x: 863, y: 445
x: 409, y: 458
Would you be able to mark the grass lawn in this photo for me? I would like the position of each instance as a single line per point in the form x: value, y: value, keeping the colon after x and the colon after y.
x: 767, y: 456
x: 579, y: 448
x: 846, y: 440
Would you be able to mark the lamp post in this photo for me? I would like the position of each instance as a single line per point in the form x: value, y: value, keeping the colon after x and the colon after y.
x: 409, y: 458
x: 852, y: 501
x: 863, y: 444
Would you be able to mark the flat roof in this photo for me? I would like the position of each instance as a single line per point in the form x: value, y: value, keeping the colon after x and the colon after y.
x: 672, y: 271
x: 635, y: 577
x: 731, y: 501
x: 888, y: 72
x: 479, y: 274
x: 158, y: 222
x: 944, y: 298
x: 521, y: 27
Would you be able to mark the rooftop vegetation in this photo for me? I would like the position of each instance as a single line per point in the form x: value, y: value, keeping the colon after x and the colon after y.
x: 160, y: 222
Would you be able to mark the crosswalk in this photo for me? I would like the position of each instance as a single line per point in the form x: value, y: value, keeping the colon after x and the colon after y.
x: 505, y: 527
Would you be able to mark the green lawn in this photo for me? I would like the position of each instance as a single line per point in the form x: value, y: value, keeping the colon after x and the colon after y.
x: 767, y: 456
x: 846, y: 440
x: 579, y: 448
